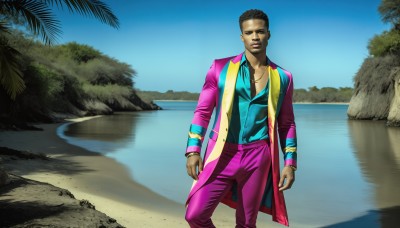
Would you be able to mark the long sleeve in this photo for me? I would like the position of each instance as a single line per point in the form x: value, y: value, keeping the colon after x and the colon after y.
x: 203, y: 112
x: 287, y: 126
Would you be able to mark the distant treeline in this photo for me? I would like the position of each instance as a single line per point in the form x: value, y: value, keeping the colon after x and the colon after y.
x: 324, y: 94
x: 312, y: 94
x: 169, y: 95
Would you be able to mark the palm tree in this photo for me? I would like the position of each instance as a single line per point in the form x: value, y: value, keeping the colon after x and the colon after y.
x: 10, y: 73
x: 38, y: 18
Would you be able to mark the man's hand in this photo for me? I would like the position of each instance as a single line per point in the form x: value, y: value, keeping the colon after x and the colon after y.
x: 193, y: 163
x: 287, y: 178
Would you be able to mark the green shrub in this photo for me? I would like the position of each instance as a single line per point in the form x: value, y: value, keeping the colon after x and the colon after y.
x: 80, y: 52
x: 51, y: 82
x: 113, y: 95
x: 103, y: 71
x: 386, y: 43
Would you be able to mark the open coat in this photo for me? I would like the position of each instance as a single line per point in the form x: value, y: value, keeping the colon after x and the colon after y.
x: 218, y: 93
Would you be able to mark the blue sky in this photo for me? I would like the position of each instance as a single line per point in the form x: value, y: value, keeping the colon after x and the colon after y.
x: 171, y: 44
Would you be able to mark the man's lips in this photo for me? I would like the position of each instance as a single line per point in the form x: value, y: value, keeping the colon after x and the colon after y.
x: 256, y: 45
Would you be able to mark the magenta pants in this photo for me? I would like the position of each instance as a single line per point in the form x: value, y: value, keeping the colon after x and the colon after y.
x: 247, y: 165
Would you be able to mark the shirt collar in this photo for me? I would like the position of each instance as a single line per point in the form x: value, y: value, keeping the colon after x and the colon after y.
x: 244, y: 60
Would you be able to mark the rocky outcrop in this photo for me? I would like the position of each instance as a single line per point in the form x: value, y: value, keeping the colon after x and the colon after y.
x: 394, y: 112
x: 26, y: 109
x: 375, y: 85
x: 29, y: 203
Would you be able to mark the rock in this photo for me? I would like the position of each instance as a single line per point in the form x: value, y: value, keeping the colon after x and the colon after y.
x: 66, y: 193
x: 87, y: 204
x: 29, y: 203
x: 394, y: 111
x: 3, y: 178
x: 375, y: 96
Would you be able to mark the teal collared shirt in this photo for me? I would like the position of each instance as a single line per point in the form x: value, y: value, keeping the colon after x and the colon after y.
x: 249, y: 115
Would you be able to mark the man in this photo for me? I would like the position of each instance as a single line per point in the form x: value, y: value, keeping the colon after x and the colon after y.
x: 252, y: 98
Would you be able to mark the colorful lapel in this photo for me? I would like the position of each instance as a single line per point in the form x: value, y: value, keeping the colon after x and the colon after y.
x: 274, y: 90
x: 227, y: 101
x: 226, y: 108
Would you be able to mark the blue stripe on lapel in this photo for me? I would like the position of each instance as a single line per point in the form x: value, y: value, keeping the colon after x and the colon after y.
x: 284, y: 84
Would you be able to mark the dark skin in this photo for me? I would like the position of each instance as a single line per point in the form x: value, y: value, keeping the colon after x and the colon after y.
x: 255, y: 36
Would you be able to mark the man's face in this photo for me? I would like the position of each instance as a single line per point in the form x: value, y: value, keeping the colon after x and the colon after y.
x: 255, y: 35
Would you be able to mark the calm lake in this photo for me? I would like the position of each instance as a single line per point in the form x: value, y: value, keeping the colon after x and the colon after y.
x: 348, y: 170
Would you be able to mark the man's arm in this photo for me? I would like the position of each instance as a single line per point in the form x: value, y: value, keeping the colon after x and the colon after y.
x: 201, y: 119
x: 287, y: 137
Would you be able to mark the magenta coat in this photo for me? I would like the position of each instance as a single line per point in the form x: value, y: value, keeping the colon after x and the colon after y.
x: 217, y: 93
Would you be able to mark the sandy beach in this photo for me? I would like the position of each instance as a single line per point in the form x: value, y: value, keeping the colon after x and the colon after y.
x: 90, y: 176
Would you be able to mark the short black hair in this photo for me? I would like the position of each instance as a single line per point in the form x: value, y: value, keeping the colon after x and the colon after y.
x: 253, y: 14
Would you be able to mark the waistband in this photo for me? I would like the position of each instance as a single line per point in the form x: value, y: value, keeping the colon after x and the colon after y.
x: 251, y: 145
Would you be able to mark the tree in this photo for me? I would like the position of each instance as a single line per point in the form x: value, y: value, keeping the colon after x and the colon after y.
x: 313, y: 89
x: 10, y: 73
x: 390, y: 12
x: 36, y: 15
x: 81, y: 53
x: 389, y: 41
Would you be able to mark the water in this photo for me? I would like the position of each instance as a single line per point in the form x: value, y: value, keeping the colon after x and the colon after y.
x: 348, y: 171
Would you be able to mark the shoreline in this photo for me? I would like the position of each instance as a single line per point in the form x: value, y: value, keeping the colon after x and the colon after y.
x: 175, y: 100
x: 90, y: 176
x: 322, y: 103
x: 328, y: 103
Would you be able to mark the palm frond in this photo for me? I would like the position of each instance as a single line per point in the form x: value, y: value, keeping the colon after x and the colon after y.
x: 38, y: 16
x: 10, y: 73
x: 4, y: 27
x: 94, y: 8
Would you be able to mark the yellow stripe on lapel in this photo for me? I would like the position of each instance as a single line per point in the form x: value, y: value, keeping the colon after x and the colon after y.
x: 273, y: 98
x: 226, y: 110
x: 274, y: 89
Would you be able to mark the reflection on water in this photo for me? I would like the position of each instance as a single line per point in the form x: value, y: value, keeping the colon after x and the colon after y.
x: 104, y: 135
x: 348, y: 172
x: 378, y: 151
x: 117, y: 127
x: 394, y: 139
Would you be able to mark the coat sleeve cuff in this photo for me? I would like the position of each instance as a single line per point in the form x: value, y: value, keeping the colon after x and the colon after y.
x: 290, y: 162
x: 196, y: 149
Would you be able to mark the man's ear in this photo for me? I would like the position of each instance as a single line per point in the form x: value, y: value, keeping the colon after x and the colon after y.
x: 241, y: 36
x: 269, y: 34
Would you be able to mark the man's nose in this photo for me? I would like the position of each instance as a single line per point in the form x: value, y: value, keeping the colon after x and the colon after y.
x: 255, y: 36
